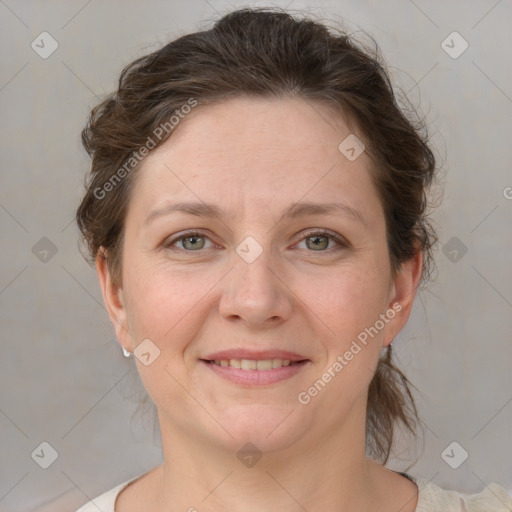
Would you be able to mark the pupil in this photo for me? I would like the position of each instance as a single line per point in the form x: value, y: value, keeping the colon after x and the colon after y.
x: 192, y: 241
x: 316, y: 243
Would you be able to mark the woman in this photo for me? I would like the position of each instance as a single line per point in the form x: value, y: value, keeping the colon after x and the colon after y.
x: 256, y: 213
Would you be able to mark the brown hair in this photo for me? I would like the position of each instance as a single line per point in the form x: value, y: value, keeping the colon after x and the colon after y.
x: 270, y: 53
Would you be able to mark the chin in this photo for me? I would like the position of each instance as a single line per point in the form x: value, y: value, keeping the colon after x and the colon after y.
x: 267, y: 427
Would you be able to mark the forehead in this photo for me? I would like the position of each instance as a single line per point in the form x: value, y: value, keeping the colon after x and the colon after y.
x: 268, y: 126
x: 246, y: 151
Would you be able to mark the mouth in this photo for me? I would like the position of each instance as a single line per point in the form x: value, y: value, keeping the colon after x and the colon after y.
x: 255, y: 364
x: 255, y: 372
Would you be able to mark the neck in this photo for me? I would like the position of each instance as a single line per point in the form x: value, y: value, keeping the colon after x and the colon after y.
x: 328, y: 472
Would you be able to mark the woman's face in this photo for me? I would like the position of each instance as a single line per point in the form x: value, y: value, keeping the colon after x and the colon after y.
x: 258, y: 277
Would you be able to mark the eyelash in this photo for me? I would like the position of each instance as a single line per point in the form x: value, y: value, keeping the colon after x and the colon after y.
x: 309, y: 234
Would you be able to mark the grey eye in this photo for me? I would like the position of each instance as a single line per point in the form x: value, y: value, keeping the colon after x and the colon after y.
x: 192, y: 242
x: 318, y: 242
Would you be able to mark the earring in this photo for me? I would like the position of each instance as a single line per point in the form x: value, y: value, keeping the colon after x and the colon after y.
x: 126, y: 353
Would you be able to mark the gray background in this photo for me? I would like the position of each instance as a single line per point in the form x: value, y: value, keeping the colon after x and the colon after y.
x: 63, y: 377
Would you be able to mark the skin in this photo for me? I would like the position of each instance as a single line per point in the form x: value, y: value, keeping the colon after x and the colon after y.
x: 255, y: 157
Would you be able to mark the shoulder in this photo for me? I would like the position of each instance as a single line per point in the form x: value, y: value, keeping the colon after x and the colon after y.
x: 106, y: 501
x: 433, y: 498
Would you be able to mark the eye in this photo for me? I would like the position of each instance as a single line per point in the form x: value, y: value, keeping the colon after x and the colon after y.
x: 190, y: 241
x: 318, y: 240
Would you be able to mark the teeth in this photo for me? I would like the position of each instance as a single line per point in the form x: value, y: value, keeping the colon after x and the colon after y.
x: 248, y: 364
x: 265, y: 364
x: 252, y: 364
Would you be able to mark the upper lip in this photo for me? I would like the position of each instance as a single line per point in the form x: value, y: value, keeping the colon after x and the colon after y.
x: 242, y: 353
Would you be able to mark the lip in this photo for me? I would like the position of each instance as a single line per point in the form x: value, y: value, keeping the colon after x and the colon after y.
x: 250, y: 378
x: 241, y: 353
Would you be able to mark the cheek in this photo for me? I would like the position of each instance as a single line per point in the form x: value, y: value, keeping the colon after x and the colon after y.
x: 166, y: 308
x: 348, y: 307
x: 161, y: 302
x: 346, y: 299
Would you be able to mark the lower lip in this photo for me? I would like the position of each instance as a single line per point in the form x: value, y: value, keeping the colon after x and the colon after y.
x: 256, y: 377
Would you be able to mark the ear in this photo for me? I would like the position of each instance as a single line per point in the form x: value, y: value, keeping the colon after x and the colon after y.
x: 403, y: 292
x: 114, y: 301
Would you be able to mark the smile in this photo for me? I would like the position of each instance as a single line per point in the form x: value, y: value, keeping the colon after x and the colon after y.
x: 253, y: 364
x: 252, y: 372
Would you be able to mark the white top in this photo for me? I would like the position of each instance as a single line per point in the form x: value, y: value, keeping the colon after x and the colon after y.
x: 431, y: 498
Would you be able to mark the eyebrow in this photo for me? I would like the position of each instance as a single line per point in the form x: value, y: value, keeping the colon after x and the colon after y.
x: 295, y: 210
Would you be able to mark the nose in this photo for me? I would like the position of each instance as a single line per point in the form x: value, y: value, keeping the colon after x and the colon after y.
x: 256, y: 293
